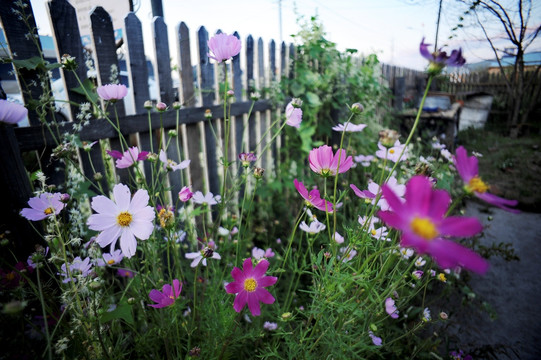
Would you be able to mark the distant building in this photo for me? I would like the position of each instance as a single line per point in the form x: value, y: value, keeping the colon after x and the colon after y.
x: 531, y: 61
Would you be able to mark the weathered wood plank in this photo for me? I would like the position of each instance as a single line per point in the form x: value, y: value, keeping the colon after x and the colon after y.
x: 68, y: 41
x: 36, y: 137
x: 207, y: 98
x: 263, y: 120
x: 273, y: 151
x: 238, y: 89
x: 138, y: 76
x: 250, y: 80
x: 24, y: 44
x: 166, y: 94
x: 187, y: 93
x: 103, y: 43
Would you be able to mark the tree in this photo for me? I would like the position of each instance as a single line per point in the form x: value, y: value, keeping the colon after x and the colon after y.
x: 514, y: 18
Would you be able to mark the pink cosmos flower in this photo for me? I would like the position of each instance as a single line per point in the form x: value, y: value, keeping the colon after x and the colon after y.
x: 167, y: 296
x: 112, y: 92
x: 390, y: 308
x: 125, y: 218
x: 421, y: 218
x: 125, y: 273
x: 247, y: 158
x: 349, y: 127
x: 249, y: 285
x: 392, y: 153
x: 128, y: 158
x: 170, y: 165
x: 313, y: 198
x: 43, y: 206
x: 314, y: 227
x: 468, y: 170
x: 324, y: 162
x: 223, y: 47
x: 293, y: 114
x: 12, y: 113
x: 185, y: 194
x: 374, y: 190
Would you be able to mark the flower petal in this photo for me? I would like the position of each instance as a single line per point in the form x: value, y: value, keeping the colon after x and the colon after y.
x: 460, y: 226
x: 253, y: 304
x: 240, y: 301
x: 122, y: 196
x: 449, y: 254
x: 128, y: 244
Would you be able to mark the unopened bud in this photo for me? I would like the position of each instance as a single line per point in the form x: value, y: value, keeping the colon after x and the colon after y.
x: 258, y: 172
x: 172, y: 133
x: 208, y: 114
x: 148, y: 105
x: 161, y: 107
x: 176, y: 105
x: 296, y: 102
x: 357, y: 108
x: 98, y: 176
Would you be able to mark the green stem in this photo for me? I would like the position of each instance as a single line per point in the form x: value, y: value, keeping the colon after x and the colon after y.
x: 44, y: 313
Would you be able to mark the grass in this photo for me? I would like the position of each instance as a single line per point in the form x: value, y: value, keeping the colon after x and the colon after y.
x: 512, y: 167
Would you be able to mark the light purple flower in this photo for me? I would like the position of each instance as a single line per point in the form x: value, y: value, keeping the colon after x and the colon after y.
x: 125, y: 218
x: 42, y: 206
x: 167, y: 296
x: 247, y: 158
x: 390, y: 308
x: 125, y: 273
x: 349, y: 127
x: 375, y: 339
x: 348, y: 252
x: 112, y: 92
x: 314, y: 228
x: 208, y: 199
x: 392, y: 153
x: 293, y: 115
x: 364, y: 160
x: 223, y: 47
x: 110, y: 259
x: 339, y: 239
x: 170, y: 165
x: 201, y: 256
x: 12, y: 113
x: 439, y: 59
x: 374, y: 189
x: 418, y: 274
x: 270, y: 326
x: 249, y: 285
x: 77, y: 267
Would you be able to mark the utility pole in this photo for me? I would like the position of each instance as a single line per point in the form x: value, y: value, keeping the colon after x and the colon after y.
x: 157, y: 8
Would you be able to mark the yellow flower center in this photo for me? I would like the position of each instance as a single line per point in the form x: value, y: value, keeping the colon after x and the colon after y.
x: 124, y: 218
x: 374, y: 232
x: 424, y: 228
x: 391, y: 151
x: 48, y: 211
x: 111, y: 262
x: 478, y: 185
x: 250, y: 285
x: 10, y: 276
x: 442, y: 278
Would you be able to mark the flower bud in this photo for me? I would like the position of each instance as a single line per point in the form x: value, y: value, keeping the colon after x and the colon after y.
x: 65, y: 197
x: 161, y: 107
x: 131, y: 301
x: 255, y: 96
x: 357, y: 108
x: 444, y: 316
x: 286, y: 316
x: 185, y: 194
x: 296, y: 102
x: 148, y: 105
x: 172, y: 133
x: 230, y: 93
x: 258, y: 173
x: 176, y: 105
x: 208, y: 114
x: 388, y: 137
x: 68, y: 62
x: 98, y: 176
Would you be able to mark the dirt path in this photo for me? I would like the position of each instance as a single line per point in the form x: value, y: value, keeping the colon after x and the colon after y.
x: 513, y: 289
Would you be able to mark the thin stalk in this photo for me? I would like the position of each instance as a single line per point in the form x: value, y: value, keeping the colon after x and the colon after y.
x: 44, y: 313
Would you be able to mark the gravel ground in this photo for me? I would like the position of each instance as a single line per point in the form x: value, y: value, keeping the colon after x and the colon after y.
x: 513, y: 290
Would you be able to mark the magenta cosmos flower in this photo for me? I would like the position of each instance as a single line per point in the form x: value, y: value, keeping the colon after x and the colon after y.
x: 439, y: 59
x: 324, y: 162
x: 313, y: 198
x: 223, y: 47
x: 43, y: 206
x: 125, y: 217
x: 294, y: 113
x: 128, y: 158
x: 12, y: 113
x: 167, y: 296
x: 249, y: 286
x: 185, y: 194
x: 112, y: 92
x: 421, y: 218
x: 468, y: 170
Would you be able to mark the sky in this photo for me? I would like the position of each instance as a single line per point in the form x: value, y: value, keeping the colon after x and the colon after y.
x: 392, y: 29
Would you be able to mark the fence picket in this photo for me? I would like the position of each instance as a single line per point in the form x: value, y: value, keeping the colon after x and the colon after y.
x: 207, y: 99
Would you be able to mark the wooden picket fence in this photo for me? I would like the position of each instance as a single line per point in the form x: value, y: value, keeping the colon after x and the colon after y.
x: 200, y: 135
